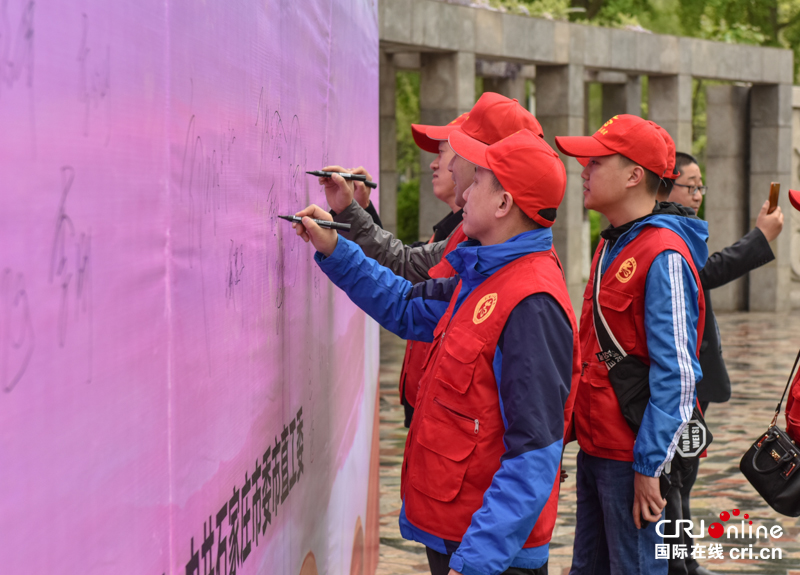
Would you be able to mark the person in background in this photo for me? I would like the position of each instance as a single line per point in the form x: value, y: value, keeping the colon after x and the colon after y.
x: 444, y: 188
x: 492, y: 118
x: 747, y: 254
x: 480, y: 469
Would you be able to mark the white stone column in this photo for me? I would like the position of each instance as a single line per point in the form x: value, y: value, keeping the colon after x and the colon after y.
x: 771, y: 160
x: 625, y: 98
x: 792, y: 223
x: 670, y: 106
x: 560, y: 109
x: 446, y: 89
x: 726, y: 203
x: 388, y: 143
x: 511, y: 87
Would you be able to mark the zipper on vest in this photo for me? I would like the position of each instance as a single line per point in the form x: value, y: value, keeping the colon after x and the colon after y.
x: 458, y: 414
x: 583, y: 366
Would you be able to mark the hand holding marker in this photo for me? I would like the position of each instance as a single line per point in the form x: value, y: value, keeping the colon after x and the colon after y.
x: 325, y: 223
x: 321, y: 223
x: 347, y: 176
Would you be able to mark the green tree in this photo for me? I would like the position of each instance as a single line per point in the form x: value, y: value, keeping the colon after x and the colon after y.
x: 759, y: 22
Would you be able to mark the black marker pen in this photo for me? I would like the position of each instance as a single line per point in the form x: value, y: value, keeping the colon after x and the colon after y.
x: 346, y: 176
x: 321, y: 223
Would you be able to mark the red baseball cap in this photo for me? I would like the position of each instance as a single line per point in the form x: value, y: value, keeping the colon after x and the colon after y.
x: 525, y: 165
x: 638, y: 140
x: 492, y: 118
x: 423, y: 139
x: 794, y: 198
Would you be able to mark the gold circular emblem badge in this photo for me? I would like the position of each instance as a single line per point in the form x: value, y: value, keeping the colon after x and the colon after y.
x: 626, y: 270
x: 484, y: 308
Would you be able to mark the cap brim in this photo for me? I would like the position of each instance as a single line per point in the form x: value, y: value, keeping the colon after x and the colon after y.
x: 582, y: 146
x: 583, y: 161
x: 442, y: 132
x: 794, y: 198
x: 470, y: 149
x: 421, y: 138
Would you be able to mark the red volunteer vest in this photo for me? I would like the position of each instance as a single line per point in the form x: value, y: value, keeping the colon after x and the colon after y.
x: 454, y: 446
x: 417, y: 351
x: 601, y: 429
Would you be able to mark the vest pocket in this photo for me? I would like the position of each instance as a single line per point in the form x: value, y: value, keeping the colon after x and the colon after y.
x: 457, y: 363
x: 609, y: 428
x: 466, y: 423
x: 440, y: 460
x: 618, y: 311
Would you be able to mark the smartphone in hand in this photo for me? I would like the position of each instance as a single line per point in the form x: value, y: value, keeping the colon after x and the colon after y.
x: 774, y: 190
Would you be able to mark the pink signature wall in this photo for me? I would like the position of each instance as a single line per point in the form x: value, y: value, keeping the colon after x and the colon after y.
x: 181, y: 390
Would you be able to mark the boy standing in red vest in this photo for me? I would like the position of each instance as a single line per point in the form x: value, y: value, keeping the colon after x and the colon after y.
x: 645, y: 280
x: 481, y: 465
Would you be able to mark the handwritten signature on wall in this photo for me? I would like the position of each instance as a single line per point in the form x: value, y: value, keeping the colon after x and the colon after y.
x: 287, y: 154
x: 17, y: 340
x: 71, y: 270
x: 94, y: 76
x: 16, y: 47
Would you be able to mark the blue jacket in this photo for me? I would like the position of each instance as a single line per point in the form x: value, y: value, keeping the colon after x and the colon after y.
x: 532, y: 366
x: 671, y: 301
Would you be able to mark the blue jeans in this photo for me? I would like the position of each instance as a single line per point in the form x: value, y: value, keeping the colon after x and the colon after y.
x: 606, y: 539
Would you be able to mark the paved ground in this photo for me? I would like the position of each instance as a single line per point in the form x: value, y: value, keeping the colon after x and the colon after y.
x: 759, y: 350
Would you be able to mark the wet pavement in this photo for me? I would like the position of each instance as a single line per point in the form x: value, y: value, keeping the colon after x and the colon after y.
x: 759, y: 351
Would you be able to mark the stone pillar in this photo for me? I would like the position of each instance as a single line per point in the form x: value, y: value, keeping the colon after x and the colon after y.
x: 792, y: 222
x: 622, y: 98
x: 388, y: 143
x: 670, y: 106
x: 560, y: 109
x: 771, y: 160
x: 726, y: 203
x: 446, y: 89
x: 508, y: 87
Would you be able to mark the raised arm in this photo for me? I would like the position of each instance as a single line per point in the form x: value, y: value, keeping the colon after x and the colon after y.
x: 408, y: 310
x: 407, y: 262
x: 411, y: 263
x: 749, y: 253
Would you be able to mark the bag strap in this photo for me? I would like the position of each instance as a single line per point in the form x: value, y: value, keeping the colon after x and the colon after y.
x: 788, y: 383
x: 611, y: 352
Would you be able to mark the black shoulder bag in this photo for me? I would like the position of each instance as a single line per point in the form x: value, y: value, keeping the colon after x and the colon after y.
x: 630, y: 379
x: 770, y: 465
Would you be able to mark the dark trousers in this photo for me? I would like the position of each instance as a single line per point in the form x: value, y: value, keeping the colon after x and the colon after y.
x: 679, y: 507
x: 607, y: 541
x: 440, y: 565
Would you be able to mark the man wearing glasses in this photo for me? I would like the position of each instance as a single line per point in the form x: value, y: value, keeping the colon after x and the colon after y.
x: 749, y: 253
x: 688, y: 188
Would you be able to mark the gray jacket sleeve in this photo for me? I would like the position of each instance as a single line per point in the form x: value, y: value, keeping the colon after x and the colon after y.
x: 410, y: 263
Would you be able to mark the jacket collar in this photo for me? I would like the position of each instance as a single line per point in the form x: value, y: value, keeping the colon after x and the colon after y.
x: 474, y: 262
